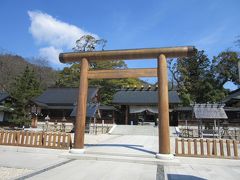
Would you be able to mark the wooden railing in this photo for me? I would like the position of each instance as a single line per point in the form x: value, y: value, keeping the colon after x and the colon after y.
x: 214, y: 148
x: 36, y: 139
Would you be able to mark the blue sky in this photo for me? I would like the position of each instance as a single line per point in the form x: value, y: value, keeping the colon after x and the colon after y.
x: 45, y: 28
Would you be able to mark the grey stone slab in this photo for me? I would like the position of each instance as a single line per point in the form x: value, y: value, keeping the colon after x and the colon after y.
x: 100, y: 170
x: 199, y: 168
x: 32, y: 161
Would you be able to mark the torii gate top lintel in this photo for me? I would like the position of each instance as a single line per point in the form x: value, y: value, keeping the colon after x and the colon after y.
x: 127, y: 54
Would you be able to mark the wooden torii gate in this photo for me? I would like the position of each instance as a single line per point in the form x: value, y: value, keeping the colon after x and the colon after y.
x: 161, y: 72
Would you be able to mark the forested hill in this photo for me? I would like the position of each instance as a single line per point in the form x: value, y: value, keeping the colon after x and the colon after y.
x: 13, y: 65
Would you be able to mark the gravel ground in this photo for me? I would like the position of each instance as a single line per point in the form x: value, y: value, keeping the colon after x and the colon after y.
x: 11, y: 173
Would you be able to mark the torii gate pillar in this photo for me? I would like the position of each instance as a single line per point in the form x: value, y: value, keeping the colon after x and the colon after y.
x: 81, y: 108
x: 163, y: 109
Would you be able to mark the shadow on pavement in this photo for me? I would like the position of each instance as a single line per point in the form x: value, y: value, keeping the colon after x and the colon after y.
x: 183, y: 177
x: 129, y: 146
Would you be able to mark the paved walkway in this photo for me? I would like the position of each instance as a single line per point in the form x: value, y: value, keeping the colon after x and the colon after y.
x: 203, y: 168
x: 111, y: 157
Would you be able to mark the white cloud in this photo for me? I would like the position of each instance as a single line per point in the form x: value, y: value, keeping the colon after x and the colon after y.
x: 207, y: 40
x: 48, y: 30
x: 211, y: 38
x: 51, y: 54
x: 53, y: 35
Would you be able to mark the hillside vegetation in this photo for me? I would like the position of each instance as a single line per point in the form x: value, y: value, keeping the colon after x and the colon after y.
x: 13, y: 65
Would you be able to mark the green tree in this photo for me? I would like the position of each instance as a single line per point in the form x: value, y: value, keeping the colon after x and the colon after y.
x: 196, y: 80
x: 69, y: 76
x: 89, y: 43
x: 24, y: 88
x: 225, y: 67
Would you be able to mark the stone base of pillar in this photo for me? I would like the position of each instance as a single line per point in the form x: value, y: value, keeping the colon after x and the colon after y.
x: 77, y: 151
x: 165, y: 156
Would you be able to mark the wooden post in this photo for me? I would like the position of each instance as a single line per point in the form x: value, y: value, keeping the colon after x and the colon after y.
x: 18, y: 138
x: 113, y: 117
x: 195, y: 147
x: 208, y: 148
x: 235, y: 148
x: 183, y: 147
x: 163, y: 111
x: 189, y: 147
x: 214, y: 147
x: 34, y: 122
x: 81, y: 106
x: 176, y: 146
x: 221, y: 148
x: 202, y: 147
x: 214, y: 130
x: 228, y: 147
x: 1, y: 136
x: 59, y: 140
x: 126, y: 115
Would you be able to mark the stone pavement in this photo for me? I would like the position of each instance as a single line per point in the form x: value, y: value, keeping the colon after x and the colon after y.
x: 110, y: 157
x: 101, y: 170
x: 203, y: 168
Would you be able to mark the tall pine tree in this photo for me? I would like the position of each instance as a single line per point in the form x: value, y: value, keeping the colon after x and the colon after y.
x: 24, y: 88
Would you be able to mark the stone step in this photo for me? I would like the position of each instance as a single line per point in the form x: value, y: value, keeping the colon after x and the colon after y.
x: 134, y: 130
x: 149, y: 130
x: 120, y: 158
x: 121, y: 155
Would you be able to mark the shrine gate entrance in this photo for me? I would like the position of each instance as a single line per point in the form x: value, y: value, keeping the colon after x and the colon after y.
x: 160, y: 72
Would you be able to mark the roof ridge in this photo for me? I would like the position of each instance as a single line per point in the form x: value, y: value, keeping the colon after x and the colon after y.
x: 231, y: 95
x: 71, y: 87
x: 143, y: 90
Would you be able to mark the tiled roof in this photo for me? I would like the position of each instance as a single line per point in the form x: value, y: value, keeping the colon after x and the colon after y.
x: 3, y: 96
x: 91, y: 110
x: 209, y: 111
x: 234, y: 95
x: 63, y: 96
x: 140, y: 97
